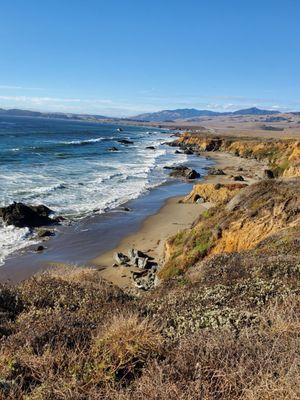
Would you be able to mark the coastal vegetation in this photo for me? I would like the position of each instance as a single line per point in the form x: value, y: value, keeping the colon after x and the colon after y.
x: 222, y: 324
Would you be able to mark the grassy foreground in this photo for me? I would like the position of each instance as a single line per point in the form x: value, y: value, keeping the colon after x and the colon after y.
x: 223, y: 324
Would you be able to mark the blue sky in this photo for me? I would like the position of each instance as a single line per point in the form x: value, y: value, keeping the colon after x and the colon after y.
x: 122, y: 57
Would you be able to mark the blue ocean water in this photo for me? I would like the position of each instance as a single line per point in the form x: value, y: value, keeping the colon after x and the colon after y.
x: 66, y: 165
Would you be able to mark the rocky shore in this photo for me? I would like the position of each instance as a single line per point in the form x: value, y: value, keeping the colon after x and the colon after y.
x: 202, y: 302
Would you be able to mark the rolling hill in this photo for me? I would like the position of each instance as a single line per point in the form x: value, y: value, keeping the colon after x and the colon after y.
x: 187, y: 113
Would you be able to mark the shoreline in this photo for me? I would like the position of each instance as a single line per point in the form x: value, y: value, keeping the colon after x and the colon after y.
x: 81, y: 242
x: 172, y: 217
x: 92, y: 242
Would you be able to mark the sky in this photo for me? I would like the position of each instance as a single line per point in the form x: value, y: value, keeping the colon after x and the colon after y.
x: 124, y: 57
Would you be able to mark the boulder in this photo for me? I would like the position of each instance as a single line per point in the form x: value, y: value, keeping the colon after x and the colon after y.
x: 216, y: 171
x: 44, y: 233
x: 184, y: 172
x: 142, y: 262
x: 121, y: 259
x: 178, y: 152
x: 133, y: 253
x: 138, y: 258
x: 22, y: 215
x: 40, y: 248
x: 144, y: 280
x: 238, y: 178
x: 150, y: 147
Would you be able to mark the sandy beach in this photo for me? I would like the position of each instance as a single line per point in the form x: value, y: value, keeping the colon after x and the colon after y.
x: 172, y: 217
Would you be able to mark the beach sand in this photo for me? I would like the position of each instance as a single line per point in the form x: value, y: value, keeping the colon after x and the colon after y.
x: 171, y: 218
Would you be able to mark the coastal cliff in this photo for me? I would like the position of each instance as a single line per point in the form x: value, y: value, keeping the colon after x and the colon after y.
x: 255, y: 213
x: 283, y: 156
x: 222, y: 324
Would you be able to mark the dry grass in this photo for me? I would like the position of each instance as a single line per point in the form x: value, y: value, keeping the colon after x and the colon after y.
x: 258, y: 364
x: 122, y: 347
x: 51, y: 354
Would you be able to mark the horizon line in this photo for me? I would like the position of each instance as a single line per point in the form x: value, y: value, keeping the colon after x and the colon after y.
x: 147, y: 112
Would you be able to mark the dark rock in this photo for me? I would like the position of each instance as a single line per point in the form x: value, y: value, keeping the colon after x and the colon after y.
x: 43, y: 233
x: 113, y: 149
x: 184, y: 172
x: 125, y: 141
x: 238, y: 178
x: 268, y: 174
x: 42, y: 210
x: 178, y: 152
x: 21, y: 215
x: 188, y: 152
x: 216, y: 171
x: 40, y: 248
x: 150, y: 147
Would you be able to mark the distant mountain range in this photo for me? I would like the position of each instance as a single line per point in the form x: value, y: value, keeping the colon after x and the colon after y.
x: 187, y: 113
x: 160, y: 116
x: 15, y: 112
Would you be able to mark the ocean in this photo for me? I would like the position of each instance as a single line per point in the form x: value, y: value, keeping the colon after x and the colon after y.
x: 67, y: 166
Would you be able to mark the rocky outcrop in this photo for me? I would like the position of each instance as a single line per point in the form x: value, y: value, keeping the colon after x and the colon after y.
x: 201, y: 142
x: 213, y: 192
x: 183, y: 172
x: 22, y: 215
x: 144, y: 267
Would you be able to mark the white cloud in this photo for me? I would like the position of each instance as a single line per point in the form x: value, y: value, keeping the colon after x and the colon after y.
x: 14, y: 87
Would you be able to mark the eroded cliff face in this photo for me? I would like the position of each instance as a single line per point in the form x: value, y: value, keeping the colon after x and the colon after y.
x: 216, y: 193
x: 283, y: 156
x: 258, y: 211
x: 254, y: 214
